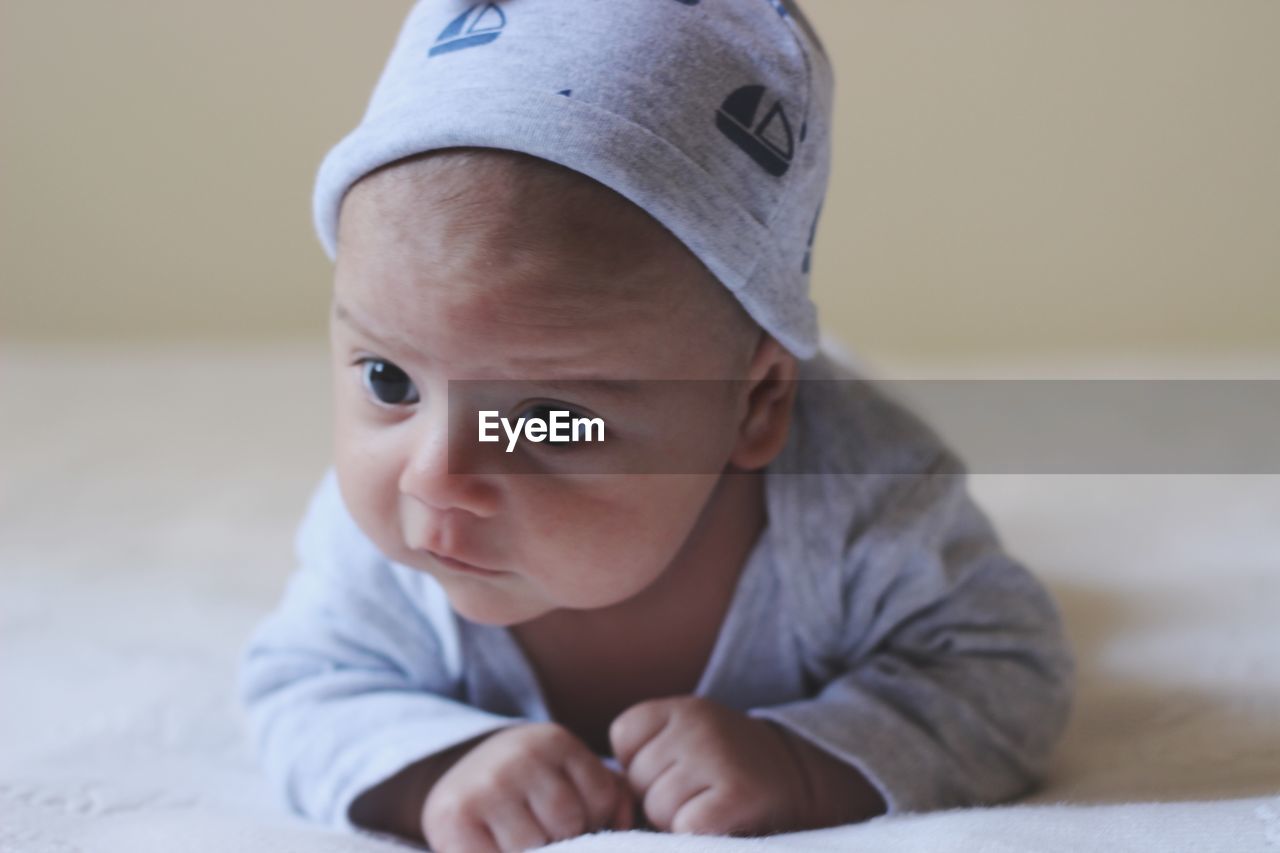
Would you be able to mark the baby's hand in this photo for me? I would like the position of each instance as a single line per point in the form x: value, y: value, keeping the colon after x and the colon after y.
x: 524, y: 786
x: 701, y: 767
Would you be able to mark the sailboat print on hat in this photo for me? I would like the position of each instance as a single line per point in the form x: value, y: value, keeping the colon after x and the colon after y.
x: 485, y: 26
x: 770, y: 143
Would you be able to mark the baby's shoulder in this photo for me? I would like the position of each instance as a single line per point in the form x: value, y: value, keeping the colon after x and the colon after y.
x: 328, y: 534
x: 862, y: 493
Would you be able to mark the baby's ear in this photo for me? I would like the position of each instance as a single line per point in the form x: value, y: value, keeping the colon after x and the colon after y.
x: 771, y: 392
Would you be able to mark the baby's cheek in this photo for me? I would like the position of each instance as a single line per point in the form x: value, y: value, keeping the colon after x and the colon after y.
x: 369, y: 492
x: 586, y: 551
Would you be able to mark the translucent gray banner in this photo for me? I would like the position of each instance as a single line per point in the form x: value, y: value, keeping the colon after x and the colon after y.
x: 1056, y: 426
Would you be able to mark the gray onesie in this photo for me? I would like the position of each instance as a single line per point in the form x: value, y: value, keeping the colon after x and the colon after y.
x: 877, y: 616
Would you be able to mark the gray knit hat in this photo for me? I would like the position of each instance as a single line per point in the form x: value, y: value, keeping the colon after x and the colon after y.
x: 714, y: 116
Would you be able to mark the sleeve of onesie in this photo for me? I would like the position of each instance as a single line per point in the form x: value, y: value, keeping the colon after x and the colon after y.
x: 345, y: 683
x: 945, y: 676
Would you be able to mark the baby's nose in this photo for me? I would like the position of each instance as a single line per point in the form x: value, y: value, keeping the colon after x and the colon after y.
x: 443, y: 473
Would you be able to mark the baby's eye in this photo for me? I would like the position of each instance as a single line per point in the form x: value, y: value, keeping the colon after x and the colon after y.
x: 388, y: 383
x: 575, y: 426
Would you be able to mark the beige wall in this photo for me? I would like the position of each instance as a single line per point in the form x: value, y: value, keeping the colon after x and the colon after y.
x: 1009, y: 176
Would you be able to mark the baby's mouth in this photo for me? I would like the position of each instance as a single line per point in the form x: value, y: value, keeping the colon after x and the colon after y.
x: 457, y: 565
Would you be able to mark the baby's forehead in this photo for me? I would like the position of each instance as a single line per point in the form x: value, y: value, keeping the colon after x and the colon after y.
x: 497, y: 186
x: 500, y: 239
x: 515, y: 215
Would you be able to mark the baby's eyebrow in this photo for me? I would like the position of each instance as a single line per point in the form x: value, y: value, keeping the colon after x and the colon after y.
x: 619, y: 389
x: 613, y: 388
x: 341, y: 313
x: 616, y: 388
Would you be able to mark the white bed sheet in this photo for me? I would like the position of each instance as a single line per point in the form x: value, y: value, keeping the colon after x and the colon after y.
x: 148, y: 498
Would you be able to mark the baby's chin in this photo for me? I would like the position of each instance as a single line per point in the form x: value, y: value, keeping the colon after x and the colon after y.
x: 478, y: 601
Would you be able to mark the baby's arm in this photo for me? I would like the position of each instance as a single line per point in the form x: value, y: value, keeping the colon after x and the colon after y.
x: 344, y: 684
x: 397, y: 804
x: 945, y: 676
x: 836, y: 791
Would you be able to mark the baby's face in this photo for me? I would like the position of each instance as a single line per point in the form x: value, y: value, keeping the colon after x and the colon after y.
x: 538, y: 293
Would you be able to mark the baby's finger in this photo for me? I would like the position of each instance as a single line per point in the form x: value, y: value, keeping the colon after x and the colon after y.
x: 654, y: 759
x: 638, y: 725
x: 669, y: 793
x: 514, y: 827
x: 557, y: 805
x: 466, y: 835
x: 709, y: 812
x: 599, y: 787
x: 624, y: 816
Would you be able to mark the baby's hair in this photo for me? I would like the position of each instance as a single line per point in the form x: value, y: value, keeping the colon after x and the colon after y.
x: 544, y: 209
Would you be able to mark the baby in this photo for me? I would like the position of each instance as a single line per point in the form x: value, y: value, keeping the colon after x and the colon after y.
x: 763, y: 602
